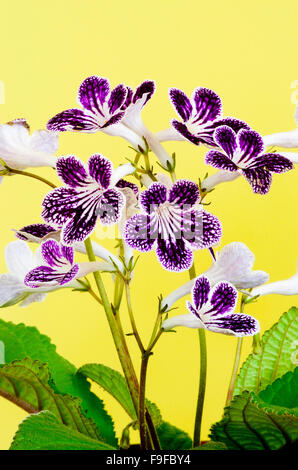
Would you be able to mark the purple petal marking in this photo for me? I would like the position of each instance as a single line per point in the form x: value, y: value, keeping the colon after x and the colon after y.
x: 233, y: 123
x: 208, y: 105
x: 128, y: 99
x: 219, y: 160
x: 71, y: 274
x: 174, y: 255
x: 72, y: 171
x: 73, y: 120
x: 137, y: 233
x: 184, y: 193
x: 80, y: 226
x: 117, y: 98
x: 183, y: 130
x: 200, y: 292
x: 251, y: 144
x: 67, y: 253
x: 40, y: 274
x: 272, y: 162
x: 191, y: 309
x: 93, y: 93
x: 113, y: 120
x: 259, y: 179
x: 127, y: 184
x: 223, y: 298
x: 110, y: 206
x: 201, y: 229
x: 235, y: 324
x: 37, y: 230
x: 100, y: 169
x: 148, y: 86
x: 226, y: 138
x: 152, y: 197
x: 51, y: 253
x: 181, y: 103
x: 59, y: 205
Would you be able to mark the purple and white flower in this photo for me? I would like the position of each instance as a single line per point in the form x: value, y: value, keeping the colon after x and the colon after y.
x: 105, y: 109
x: 90, y: 194
x: 171, y: 221
x: 243, y: 152
x: 59, y: 268
x: 200, y: 117
x: 20, y: 150
x: 19, y: 260
x: 234, y: 264
x: 213, y: 309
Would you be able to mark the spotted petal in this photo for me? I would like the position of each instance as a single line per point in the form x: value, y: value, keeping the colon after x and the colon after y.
x: 208, y: 105
x: 72, y: 172
x: 117, y: 98
x: 100, y: 169
x: 181, y: 103
x: 250, y: 143
x: 184, y: 193
x: 137, y: 233
x: 272, y: 162
x: 219, y: 160
x: 110, y: 206
x: 52, y: 254
x: 45, y: 275
x: 259, y: 179
x: 225, y: 138
x: 200, y: 292
x: 79, y: 227
x: 93, y: 93
x: 174, y: 255
x: 147, y: 87
x: 59, y: 205
x: 183, y: 130
x: 235, y: 324
x: 201, y: 229
x: 36, y: 230
x: 155, y: 195
x: 73, y: 120
x: 223, y: 299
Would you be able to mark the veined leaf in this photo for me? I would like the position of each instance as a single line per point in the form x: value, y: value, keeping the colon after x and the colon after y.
x: 115, y: 384
x: 23, y: 341
x: 275, y: 358
x: 26, y: 383
x: 247, y: 426
x: 212, y: 445
x: 172, y: 438
x: 43, y: 431
x: 2, y: 353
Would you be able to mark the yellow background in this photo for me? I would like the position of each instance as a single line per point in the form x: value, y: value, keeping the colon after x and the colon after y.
x: 247, y: 53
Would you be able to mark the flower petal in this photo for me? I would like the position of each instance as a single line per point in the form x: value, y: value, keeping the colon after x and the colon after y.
x: 12, y: 290
x: 59, y: 205
x: 174, y: 255
x: 154, y: 196
x: 110, y: 206
x: 52, y: 254
x: 200, y: 292
x: 44, y: 141
x: 37, y: 231
x: 181, y: 103
x: 259, y: 179
x: 137, y: 233
x: 233, y: 123
x: 73, y: 120
x: 235, y: 324
x: 201, y: 229
x: 117, y: 98
x: 93, y: 93
x: 79, y: 227
x: 189, y: 320
x: 208, y: 105
x: 223, y: 299
x: 225, y: 138
x: 72, y: 171
x: 183, y: 130
x: 100, y: 169
x: 184, y: 193
x: 19, y: 258
x: 272, y: 162
x: 122, y: 170
x: 148, y: 88
x: 250, y: 143
x: 127, y: 184
x: 219, y: 160
x: 113, y: 120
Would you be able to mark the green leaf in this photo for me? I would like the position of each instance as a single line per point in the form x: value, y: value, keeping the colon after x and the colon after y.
x: 43, y: 431
x: 115, y: 384
x: 26, y: 383
x: 246, y: 426
x: 172, y: 438
x: 281, y: 396
x: 277, y: 355
x: 23, y: 341
x: 2, y: 353
x: 211, y: 445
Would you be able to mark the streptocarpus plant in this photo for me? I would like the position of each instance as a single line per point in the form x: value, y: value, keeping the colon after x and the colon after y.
x: 153, y: 211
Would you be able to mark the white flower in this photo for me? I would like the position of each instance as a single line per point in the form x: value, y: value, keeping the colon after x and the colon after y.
x: 221, y: 176
x: 284, y: 287
x: 284, y: 139
x: 19, y: 260
x: 233, y: 264
x: 20, y: 150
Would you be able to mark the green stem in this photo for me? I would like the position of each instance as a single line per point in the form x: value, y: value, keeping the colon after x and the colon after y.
x: 236, y: 362
x: 132, y: 320
x: 256, y: 343
x: 31, y: 175
x: 203, y: 376
x: 142, y: 407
